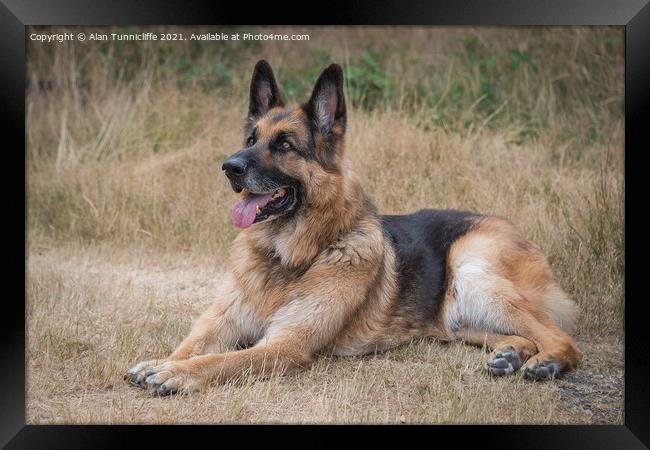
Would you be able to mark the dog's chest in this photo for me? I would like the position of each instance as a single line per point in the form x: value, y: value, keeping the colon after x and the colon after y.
x: 266, y: 287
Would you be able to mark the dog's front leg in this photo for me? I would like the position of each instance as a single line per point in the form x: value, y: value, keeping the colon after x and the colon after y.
x: 277, y: 357
x: 226, y: 323
x: 314, y: 313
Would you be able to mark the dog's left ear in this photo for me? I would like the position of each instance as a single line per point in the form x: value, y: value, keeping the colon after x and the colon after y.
x: 326, y: 107
x: 264, y: 91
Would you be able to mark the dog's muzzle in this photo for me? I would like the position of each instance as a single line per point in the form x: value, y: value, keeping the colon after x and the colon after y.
x: 235, y: 168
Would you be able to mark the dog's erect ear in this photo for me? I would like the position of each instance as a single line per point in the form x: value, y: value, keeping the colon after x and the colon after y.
x: 326, y: 107
x: 264, y: 93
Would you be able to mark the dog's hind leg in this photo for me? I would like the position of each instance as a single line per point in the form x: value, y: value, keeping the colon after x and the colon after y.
x: 501, y: 284
x: 557, y: 350
x: 508, y: 353
x: 487, y: 304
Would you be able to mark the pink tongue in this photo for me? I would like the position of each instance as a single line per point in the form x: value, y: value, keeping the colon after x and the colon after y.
x: 243, y: 212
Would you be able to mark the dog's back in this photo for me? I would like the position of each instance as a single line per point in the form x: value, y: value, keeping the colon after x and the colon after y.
x: 421, y: 242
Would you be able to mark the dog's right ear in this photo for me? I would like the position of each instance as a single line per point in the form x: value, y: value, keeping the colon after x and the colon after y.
x: 264, y: 92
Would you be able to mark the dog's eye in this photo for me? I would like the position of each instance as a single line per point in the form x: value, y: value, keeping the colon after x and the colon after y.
x: 285, y: 145
x: 250, y: 141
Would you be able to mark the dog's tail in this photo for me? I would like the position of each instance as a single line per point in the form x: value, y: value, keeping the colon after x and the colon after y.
x: 561, y: 308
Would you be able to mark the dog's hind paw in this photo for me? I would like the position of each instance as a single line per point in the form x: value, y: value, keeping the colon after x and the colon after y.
x: 544, y: 370
x: 542, y: 366
x: 504, y: 361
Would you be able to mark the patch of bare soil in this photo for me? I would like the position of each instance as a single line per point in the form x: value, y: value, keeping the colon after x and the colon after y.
x: 597, y: 387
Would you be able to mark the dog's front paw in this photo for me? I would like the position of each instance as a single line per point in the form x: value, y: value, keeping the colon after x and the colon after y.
x: 171, y: 377
x: 136, y: 374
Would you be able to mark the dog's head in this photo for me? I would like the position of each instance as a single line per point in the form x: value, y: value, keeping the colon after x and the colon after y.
x: 287, y: 151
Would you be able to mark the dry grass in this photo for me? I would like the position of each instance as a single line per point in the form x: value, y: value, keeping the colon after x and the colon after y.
x: 129, y: 226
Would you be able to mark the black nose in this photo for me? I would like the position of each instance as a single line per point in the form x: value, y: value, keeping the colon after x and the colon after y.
x: 235, y: 167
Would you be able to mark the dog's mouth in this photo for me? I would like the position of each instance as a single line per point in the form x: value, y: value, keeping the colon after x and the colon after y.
x: 256, y: 207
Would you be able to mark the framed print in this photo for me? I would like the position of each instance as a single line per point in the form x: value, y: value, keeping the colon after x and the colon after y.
x: 383, y: 214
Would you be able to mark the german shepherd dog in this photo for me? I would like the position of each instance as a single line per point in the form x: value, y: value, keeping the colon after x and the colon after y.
x: 316, y: 269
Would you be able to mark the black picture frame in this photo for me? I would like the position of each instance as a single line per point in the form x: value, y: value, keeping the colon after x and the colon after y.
x: 634, y: 15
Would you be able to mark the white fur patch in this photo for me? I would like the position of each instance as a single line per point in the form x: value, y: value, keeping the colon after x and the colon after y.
x: 477, y: 301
